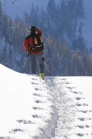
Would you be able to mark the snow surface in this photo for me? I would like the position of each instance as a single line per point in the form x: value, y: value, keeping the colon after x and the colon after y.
x: 54, y: 108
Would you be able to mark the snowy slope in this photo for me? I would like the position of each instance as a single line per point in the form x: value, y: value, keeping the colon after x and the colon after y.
x: 26, y: 105
x: 57, y: 108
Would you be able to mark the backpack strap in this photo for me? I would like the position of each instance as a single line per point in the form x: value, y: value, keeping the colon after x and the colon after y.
x: 37, y: 43
x: 36, y: 39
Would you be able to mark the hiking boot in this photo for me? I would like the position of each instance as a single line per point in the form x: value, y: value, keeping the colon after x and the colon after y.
x: 42, y: 75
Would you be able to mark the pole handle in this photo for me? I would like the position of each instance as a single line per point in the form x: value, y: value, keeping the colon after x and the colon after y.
x: 27, y: 54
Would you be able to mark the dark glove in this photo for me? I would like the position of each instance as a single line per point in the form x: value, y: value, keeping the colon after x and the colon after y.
x: 43, y: 59
x: 27, y: 54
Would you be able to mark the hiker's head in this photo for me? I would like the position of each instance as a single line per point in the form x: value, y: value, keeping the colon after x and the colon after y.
x: 32, y: 29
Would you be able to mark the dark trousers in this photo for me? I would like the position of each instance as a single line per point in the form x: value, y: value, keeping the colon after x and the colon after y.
x: 34, y: 59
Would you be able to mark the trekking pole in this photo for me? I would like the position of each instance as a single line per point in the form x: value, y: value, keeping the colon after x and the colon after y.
x: 46, y: 65
x: 25, y: 61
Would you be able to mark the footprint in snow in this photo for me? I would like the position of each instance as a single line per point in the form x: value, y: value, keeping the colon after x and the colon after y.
x: 80, y: 126
x: 90, y: 111
x: 81, y: 119
x: 37, y: 108
x: 83, y: 111
x: 35, y: 116
x: 35, y: 94
x: 25, y: 121
x: 38, y: 89
x: 87, y: 126
x: 15, y: 130
x: 84, y: 104
x: 78, y: 98
x: 75, y: 92
x: 71, y: 87
x: 38, y: 101
x: 35, y: 83
x: 5, y: 137
x: 83, y: 126
x: 78, y: 104
x: 67, y: 83
x: 89, y: 118
x: 84, y: 119
x: 79, y: 134
x: 34, y: 78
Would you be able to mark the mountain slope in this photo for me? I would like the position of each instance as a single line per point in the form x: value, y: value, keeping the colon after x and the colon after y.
x: 59, y: 107
x: 25, y: 105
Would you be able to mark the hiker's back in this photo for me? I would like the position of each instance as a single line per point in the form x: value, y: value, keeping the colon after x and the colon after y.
x: 33, y: 42
x: 37, y: 43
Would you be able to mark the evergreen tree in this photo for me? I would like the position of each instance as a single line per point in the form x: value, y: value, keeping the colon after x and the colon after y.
x: 5, y: 26
x: 5, y: 57
x: 44, y: 22
x: 37, y: 15
x: 26, y: 19
x: 80, y: 29
x: 33, y: 18
x: 51, y: 9
x: 11, y: 55
x: 0, y: 19
x: 80, y: 9
x: 72, y: 4
x: 10, y: 34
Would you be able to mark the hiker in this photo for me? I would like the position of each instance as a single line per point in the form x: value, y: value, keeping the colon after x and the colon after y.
x: 35, y: 54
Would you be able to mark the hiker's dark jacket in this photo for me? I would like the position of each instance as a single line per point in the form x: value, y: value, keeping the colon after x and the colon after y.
x: 28, y: 42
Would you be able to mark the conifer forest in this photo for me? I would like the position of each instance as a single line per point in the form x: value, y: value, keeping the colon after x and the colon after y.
x: 65, y: 49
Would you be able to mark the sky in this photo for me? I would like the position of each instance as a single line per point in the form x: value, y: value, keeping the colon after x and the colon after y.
x: 17, y: 7
x: 54, y: 108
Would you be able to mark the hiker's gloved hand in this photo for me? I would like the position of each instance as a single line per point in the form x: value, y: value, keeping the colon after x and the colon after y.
x: 29, y: 51
x: 27, y: 54
x: 43, y: 59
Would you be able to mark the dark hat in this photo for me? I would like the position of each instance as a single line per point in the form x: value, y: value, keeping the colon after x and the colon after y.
x: 33, y: 29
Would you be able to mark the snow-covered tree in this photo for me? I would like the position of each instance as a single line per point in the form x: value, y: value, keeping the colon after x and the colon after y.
x: 51, y: 9
x: 0, y: 19
x: 10, y: 34
x: 80, y: 9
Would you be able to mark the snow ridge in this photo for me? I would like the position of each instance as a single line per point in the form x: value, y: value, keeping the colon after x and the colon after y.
x: 53, y: 108
x: 26, y: 106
